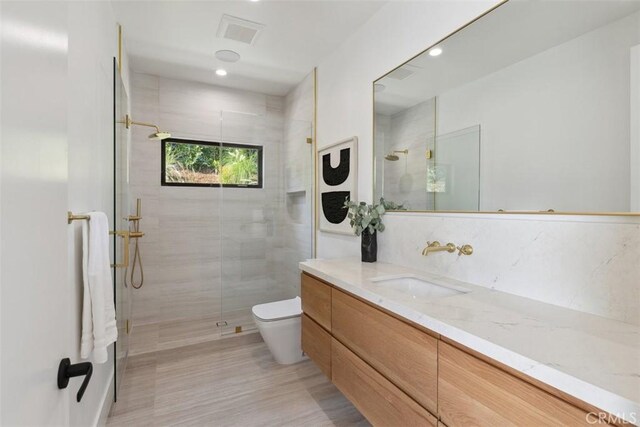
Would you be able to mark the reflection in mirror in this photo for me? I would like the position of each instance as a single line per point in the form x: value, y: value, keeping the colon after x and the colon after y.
x: 535, y: 106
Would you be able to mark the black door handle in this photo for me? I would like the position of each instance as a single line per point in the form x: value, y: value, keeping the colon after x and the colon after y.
x: 66, y: 370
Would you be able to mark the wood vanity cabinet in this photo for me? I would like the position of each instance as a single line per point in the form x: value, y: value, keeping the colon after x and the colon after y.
x: 316, y: 343
x: 377, y: 398
x: 316, y: 322
x: 399, y: 351
x: 473, y: 392
x: 316, y: 300
x: 399, y: 374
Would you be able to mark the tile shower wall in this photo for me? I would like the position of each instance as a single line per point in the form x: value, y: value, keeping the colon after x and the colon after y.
x: 586, y: 263
x: 208, y: 253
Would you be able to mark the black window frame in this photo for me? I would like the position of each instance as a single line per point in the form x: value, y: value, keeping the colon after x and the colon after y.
x: 163, y: 172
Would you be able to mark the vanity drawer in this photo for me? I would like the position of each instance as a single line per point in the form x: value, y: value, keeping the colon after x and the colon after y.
x: 316, y: 300
x: 473, y: 392
x: 316, y: 343
x: 381, y: 402
x: 407, y: 356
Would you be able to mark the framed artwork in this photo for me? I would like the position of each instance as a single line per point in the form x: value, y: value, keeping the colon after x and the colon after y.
x: 338, y: 181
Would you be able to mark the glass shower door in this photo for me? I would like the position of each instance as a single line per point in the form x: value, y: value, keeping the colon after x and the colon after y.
x: 248, y: 218
x: 122, y: 293
x: 266, y: 228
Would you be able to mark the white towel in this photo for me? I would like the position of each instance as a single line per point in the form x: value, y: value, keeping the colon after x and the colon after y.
x: 98, y: 312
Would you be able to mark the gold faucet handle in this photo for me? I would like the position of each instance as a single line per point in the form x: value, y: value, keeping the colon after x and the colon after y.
x: 465, y: 250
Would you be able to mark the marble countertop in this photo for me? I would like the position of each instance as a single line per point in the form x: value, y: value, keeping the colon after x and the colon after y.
x: 592, y: 358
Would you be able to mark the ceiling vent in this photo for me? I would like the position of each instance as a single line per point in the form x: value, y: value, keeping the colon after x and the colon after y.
x: 238, y: 29
x: 400, y: 73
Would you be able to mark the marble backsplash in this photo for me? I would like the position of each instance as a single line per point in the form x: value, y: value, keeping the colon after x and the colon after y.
x: 590, y: 264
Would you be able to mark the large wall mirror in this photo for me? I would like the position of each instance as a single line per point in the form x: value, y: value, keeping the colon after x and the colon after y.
x: 533, y: 107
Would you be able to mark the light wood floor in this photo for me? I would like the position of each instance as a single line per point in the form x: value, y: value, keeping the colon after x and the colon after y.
x: 228, y: 382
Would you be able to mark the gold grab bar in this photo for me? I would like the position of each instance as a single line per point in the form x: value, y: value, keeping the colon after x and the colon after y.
x: 125, y: 236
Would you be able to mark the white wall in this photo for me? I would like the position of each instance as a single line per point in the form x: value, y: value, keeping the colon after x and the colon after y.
x: 551, y: 143
x: 56, y: 156
x: 563, y: 251
x: 33, y: 161
x: 93, y: 44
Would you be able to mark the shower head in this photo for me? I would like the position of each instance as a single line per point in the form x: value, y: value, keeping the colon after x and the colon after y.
x: 392, y: 157
x: 157, y: 135
x: 160, y: 135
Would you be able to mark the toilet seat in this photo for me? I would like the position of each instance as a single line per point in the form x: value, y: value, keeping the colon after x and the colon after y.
x: 278, y: 310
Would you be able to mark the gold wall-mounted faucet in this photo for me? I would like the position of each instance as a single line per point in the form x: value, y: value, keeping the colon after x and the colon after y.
x: 449, y: 247
x: 437, y: 247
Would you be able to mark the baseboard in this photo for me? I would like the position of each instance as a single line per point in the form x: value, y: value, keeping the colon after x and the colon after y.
x: 107, y: 401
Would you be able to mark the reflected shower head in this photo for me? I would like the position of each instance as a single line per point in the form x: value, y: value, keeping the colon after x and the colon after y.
x: 157, y: 135
x: 392, y: 157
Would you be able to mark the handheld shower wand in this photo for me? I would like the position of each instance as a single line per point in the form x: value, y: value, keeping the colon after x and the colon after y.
x: 135, y: 233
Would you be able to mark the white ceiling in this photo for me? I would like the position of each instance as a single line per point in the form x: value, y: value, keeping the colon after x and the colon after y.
x: 509, y: 34
x: 177, y: 39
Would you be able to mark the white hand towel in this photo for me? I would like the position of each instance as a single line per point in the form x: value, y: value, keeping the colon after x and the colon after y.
x: 98, y: 311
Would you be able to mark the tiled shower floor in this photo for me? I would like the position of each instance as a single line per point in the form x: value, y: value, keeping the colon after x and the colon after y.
x: 179, y: 333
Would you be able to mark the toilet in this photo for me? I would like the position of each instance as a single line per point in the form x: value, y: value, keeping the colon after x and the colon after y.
x: 279, y: 324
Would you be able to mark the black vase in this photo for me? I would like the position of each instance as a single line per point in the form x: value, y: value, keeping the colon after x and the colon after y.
x: 369, y: 246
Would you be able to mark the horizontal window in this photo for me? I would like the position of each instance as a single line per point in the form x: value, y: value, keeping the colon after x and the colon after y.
x: 210, y: 164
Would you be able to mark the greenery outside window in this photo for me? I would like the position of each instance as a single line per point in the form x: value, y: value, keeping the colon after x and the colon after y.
x: 191, y: 163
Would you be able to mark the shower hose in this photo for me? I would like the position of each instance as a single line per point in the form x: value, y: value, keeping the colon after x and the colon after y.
x: 137, y: 261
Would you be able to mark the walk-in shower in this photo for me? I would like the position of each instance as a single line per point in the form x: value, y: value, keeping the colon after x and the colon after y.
x: 227, y: 202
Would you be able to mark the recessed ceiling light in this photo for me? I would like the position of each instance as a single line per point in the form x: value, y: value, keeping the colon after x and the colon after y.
x: 435, y: 51
x: 221, y: 72
x: 227, y: 55
x: 254, y: 1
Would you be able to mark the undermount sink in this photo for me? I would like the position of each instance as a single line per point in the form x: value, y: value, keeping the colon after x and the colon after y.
x: 413, y: 286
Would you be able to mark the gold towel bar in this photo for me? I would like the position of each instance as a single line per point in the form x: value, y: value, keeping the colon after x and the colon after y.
x: 118, y: 233
x: 71, y: 217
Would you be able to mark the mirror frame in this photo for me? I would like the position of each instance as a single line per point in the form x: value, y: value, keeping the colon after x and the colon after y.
x: 373, y: 129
